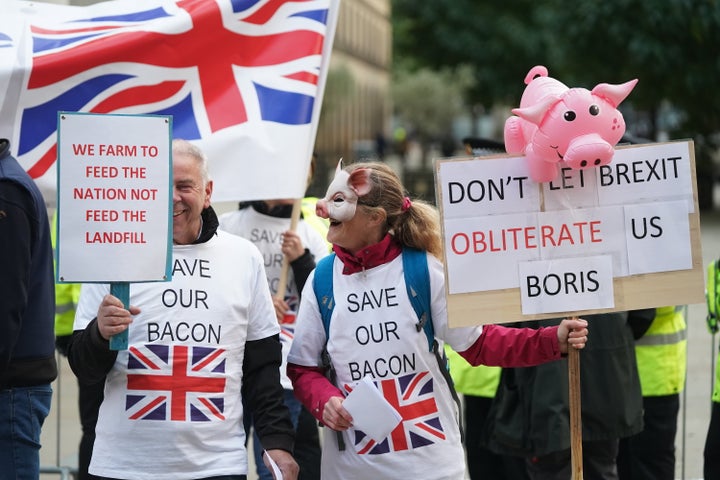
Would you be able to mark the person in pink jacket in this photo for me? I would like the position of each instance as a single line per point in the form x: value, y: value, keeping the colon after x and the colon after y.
x: 374, y: 333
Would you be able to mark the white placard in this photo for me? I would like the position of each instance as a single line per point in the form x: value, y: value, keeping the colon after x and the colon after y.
x: 482, y: 252
x: 658, y: 237
x: 585, y: 231
x: 493, y: 186
x: 566, y: 285
x: 114, y: 198
x: 571, y: 189
x: 656, y: 172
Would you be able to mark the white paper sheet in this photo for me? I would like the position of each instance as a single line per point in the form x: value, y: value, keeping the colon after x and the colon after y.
x: 371, y: 413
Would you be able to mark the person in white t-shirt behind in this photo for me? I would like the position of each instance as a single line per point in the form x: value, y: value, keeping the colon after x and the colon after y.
x: 373, y: 333
x: 266, y: 223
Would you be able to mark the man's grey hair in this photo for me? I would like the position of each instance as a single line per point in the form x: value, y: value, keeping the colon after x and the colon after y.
x: 183, y: 147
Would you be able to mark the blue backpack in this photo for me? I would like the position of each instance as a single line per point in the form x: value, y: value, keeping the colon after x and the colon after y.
x: 417, y: 282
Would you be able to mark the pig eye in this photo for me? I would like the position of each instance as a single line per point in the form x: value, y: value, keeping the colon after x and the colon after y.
x: 594, y: 110
x: 569, y: 116
x: 338, y: 199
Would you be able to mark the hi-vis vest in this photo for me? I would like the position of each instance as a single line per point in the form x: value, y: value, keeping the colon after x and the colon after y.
x: 307, y: 207
x: 480, y: 381
x: 66, y: 297
x: 662, y: 353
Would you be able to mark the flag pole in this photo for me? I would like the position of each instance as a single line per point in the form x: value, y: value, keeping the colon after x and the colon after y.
x: 282, y: 282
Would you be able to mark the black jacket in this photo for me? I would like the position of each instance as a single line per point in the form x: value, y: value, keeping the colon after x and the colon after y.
x: 530, y: 413
x: 27, y: 287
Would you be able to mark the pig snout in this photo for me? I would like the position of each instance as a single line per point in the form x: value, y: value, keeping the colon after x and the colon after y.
x: 588, y: 151
x: 321, y: 209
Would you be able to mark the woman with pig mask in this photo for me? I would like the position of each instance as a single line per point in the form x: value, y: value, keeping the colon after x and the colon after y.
x: 360, y: 297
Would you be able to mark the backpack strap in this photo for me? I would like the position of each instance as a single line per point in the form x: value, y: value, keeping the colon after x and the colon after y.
x: 417, y: 282
x: 323, y: 286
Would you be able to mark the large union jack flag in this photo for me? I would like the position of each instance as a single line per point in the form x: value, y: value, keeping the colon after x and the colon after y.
x: 413, y: 397
x: 178, y: 383
x: 242, y: 78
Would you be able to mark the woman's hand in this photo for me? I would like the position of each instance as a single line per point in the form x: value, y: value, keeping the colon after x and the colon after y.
x: 572, y: 331
x: 335, y: 416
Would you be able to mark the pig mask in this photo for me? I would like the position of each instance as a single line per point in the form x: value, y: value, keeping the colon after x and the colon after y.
x: 342, y: 195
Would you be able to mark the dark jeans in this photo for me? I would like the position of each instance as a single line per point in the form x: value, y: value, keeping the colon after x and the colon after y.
x: 599, y: 463
x: 22, y: 413
x: 650, y: 455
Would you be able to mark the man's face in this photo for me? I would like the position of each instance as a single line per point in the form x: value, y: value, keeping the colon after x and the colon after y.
x: 190, y: 197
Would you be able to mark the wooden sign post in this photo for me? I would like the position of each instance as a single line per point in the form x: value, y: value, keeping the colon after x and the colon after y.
x: 620, y: 237
x: 114, y: 201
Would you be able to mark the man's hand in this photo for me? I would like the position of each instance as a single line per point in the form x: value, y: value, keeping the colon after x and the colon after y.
x: 285, y: 462
x: 572, y: 331
x: 113, y: 317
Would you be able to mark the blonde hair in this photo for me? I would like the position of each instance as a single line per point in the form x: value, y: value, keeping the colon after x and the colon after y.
x: 417, y: 226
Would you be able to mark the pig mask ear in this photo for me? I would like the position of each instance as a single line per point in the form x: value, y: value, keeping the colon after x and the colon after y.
x: 359, y: 181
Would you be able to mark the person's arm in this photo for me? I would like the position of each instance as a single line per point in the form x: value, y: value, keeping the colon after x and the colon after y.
x: 263, y: 393
x: 302, y: 261
x: 525, y: 347
x: 89, y: 352
x: 312, y: 388
x: 15, y: 240
x: 89, y: 355
x: 301, y: 267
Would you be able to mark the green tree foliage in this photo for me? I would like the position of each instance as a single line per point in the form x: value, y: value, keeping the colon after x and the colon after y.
x: 671, y: 46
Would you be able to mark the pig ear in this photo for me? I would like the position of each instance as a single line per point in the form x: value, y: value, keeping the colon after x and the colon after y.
x: 339, y: 166
x: 536, y: 113
x: 614, y: 94
x: 359, y: 181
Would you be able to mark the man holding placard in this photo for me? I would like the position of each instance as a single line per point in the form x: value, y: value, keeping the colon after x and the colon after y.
x: 172, y: 407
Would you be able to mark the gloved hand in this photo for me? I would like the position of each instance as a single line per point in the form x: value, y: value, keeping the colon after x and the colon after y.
x: 712, y: 293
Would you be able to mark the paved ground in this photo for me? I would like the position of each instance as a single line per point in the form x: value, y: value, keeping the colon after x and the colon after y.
x: 62, y: 432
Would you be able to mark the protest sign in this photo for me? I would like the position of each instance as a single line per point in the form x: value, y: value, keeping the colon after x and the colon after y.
x: 619, y: 237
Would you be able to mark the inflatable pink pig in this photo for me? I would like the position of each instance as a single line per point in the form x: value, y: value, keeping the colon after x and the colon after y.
x: 555, y: 123
x: 342, y: 194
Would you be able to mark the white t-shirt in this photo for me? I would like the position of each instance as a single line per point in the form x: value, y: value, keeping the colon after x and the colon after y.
x: 172, y: 407
x: 373, y: 333
x: 266, y: 232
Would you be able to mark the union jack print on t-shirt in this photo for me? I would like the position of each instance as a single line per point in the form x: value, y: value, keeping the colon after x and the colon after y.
x: 179, y: 383
x: 413, y: 397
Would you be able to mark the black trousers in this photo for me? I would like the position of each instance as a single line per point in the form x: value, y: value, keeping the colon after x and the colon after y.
x: 482, y: 463
x: 307, y: 446
x: 711, y: 468
x: 89, y: 399
x: 598, y: 463
x: 650, y: 454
